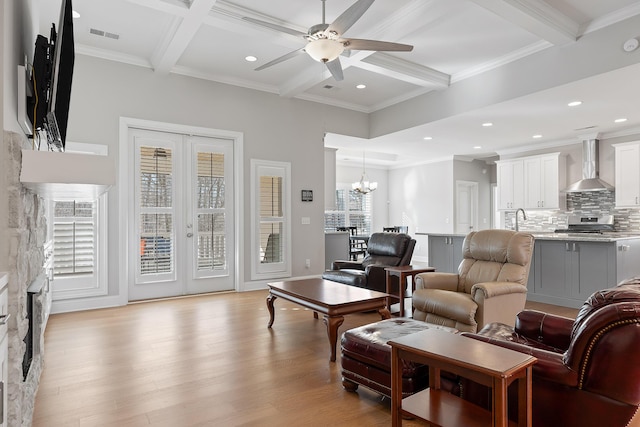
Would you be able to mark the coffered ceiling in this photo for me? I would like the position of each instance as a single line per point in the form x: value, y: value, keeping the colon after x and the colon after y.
x: 454, y: 40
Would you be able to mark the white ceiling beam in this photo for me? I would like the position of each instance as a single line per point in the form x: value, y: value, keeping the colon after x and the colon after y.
x: 537, y: 17
x: 400, y: 69
x: 166, y: 58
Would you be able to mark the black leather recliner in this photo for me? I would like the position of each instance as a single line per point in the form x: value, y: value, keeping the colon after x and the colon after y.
x: 383, y: 250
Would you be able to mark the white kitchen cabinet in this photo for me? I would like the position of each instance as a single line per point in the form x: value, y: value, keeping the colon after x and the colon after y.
x: 533, y: 182
x: 510, y: 184
x: 627, y: 174
x: 544, y: 177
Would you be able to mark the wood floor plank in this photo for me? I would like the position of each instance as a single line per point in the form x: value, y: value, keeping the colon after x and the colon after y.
x: 201, y: 361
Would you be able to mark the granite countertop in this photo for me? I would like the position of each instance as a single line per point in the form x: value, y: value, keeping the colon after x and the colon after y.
x: 586, y: 237
x: 574, y: 237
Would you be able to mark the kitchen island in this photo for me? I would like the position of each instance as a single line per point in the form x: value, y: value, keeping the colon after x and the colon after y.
x: 566, y: 267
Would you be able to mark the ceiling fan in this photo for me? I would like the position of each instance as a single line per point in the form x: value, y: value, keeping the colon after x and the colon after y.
x: 325, y: 42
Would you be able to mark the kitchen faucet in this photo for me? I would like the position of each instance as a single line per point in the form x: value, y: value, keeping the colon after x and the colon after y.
x: 524, y: 216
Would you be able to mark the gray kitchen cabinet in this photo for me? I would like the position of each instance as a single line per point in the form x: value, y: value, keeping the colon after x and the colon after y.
x: 567, y: 272
x: 445, y: 252
x: 627, y: 259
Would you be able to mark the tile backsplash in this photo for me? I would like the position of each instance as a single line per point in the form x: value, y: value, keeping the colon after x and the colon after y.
x: 589, y: 203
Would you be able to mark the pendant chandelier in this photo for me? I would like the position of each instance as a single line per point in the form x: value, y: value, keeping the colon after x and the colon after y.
x: 364, y: 186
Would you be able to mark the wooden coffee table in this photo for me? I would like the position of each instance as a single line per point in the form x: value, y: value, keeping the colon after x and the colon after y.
x: 332, y: 299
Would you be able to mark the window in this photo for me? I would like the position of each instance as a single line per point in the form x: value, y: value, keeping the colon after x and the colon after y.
x: 210, y: 205
x: 271, y: 210
x: 74, y: 229
x: 155, y: 212
x: 78, y: 232
x: 353, y: 209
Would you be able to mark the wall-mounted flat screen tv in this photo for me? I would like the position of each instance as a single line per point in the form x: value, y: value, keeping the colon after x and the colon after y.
x: 62, y: 76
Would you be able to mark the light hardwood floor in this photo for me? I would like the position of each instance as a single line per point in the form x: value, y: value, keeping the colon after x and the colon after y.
x: 201, y: 361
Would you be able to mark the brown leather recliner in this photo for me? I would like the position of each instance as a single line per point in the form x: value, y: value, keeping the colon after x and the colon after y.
x: 587, y: 372
x: 383, y: 250
x: 491, y: 284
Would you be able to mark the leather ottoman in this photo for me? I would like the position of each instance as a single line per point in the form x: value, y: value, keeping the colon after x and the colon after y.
x: 366, y: 358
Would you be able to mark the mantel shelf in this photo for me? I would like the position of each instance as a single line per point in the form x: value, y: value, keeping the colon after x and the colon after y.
x: 61, y: 176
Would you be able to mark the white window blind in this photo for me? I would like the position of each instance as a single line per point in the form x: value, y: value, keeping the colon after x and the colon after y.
x: 210, y: 188
x: 271, y: 219
x: 156, y: 212
x: 353, y: 209
x: 74, y: 238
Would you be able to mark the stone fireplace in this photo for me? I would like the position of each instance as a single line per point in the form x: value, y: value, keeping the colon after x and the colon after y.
x: 24, y: 232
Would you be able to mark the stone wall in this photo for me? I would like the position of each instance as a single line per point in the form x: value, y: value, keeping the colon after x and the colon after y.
x: 25, y: 235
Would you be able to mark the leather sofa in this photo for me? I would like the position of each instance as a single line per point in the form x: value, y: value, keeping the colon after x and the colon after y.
x: 491, y: 284
x: 587, y: 372
x: 383, y: 250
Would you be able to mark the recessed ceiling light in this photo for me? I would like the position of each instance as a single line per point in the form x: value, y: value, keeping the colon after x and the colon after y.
x: 361, y: 86
x: 477, y: 147
x: 574, y: 103
x: 428, y: 138
x: 620, y: 120
x: 250, y: 58
x: 537, y: 136
x: 75, y: 14
x: 487, y: 124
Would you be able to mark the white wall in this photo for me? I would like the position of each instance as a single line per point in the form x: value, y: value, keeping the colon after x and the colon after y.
x: 274, y: 128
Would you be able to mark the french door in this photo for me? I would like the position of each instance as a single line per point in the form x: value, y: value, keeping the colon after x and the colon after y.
x: 181, y: 217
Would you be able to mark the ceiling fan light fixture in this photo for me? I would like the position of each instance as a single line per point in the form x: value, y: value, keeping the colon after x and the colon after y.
x: 324, y: 50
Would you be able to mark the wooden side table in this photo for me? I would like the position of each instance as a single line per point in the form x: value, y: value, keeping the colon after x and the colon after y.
x: 487, y: 364
x: 402, y: 273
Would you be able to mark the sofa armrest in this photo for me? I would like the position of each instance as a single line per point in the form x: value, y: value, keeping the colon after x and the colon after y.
x: 494, y: 289
x: 342, y: 264
x: 548, y: 329
x: 550, y: 365
x: 435, y: 280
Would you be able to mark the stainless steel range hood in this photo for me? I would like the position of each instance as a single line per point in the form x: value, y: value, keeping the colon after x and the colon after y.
x: 590, y: 173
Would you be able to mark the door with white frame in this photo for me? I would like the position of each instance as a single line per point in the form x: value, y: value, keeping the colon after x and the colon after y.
x: 466, y: 206
x: 181, y: 221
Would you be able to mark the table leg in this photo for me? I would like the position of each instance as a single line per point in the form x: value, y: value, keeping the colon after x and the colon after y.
x: 500, y: 414
x: 524, y: 399
x: 396, y: 388
x: 402, y: 284
x: 333, y: 323
x: 270, y: 299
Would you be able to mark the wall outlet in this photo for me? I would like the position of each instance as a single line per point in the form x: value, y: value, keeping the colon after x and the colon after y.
x: 306, y: 220
x: 307, y: 263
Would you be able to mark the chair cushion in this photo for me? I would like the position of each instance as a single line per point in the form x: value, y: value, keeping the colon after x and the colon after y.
x: 457, y: 306
x: 347, y: 276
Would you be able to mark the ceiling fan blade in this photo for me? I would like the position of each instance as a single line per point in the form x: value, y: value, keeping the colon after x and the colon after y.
x: 363, y: 44
x: 281, y: 59
x: 274, y: 26
x: 335, y: 68
x: 349, y: 16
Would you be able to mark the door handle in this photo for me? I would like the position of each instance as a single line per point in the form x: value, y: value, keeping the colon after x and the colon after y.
x: 189, y: 234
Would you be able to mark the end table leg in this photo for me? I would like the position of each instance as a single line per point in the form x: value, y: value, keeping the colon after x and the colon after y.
x: 384, y: 313
x: 333, y: 323
x: 396, y: 388
x: 270, y: 299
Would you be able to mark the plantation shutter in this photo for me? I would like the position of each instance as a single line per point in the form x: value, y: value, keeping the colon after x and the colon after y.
x: 74, y: 238
x: 156, y: 211
x: 210, y: 206
x: 271, y: 219
x: 352, y: 209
